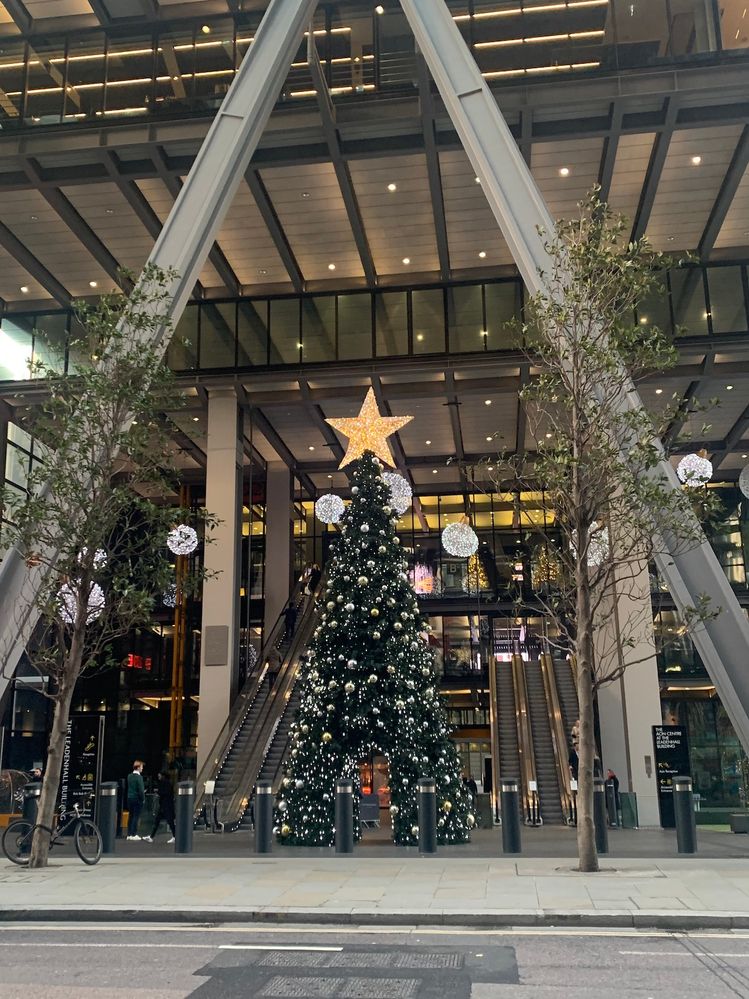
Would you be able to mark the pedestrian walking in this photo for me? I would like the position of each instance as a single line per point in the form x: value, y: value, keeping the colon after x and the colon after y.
x: 274, y: 666
x: 136, y: 796
x: 315, y: 575
x: 164, y: 808
x: 289, y: 617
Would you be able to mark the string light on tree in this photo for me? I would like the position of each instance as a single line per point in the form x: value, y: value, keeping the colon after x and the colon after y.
x: 695, y: 469
x: 182, y: 540
x: 401, y: 493
x: 329, y: 508
x: 460, y: 539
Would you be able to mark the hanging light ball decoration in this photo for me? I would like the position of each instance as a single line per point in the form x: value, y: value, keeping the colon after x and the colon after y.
x: 460, y: 540
x: 100, y: 557
x: 695, y: 469
x: 744, y: 481
x: 68, y: 602
x: 169, y: 596
x: 400, y: 491
x: 329, y: 508
x: 182, y: 540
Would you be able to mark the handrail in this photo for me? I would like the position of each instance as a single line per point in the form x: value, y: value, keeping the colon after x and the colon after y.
x: 242, y: 705
x: 558, y: 737
x: 494, y: 733
x: 525, y: 738
x: 273, y: 710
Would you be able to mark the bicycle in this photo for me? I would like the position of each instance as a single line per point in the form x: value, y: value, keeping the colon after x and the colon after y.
x: 19, y: 835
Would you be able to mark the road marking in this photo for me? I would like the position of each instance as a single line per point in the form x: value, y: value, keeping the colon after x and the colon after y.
x: 676, y: 953
x: 172, y: 946
x: 336, y: 950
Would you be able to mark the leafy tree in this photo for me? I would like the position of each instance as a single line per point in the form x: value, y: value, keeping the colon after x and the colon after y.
x: 597, y: 462
x: 370, y: 686
x: 99, y: 508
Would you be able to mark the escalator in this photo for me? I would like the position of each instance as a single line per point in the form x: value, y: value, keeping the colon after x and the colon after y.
x: 567, y: 693
x: 253, y: 741
x: 509, y: 752
x: 543, y: 745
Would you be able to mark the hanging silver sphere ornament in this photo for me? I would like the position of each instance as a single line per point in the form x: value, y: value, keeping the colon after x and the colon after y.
x: 744, y: 481
x: 329, y: 508
x: 400, y: 491
x: 460, y: 540
x: 695, y: 469
x: 182, y: 540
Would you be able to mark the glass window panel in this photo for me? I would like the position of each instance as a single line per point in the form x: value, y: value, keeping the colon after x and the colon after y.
x: 351, y: 52
x: 727, y: 306
x: 391, y: 321
x: 17, y: 435
x: 688, y: 299
x: 285, y: 331
x: 503, y: 305
x: 16, y: 347
x: 85, y: 76
x: 465, y: 319
x: 50, y: 340
x: 12, y: 64
x: 217, y: 334
x: 354, y: 327
x: 692, y: 28
x: 734, y: 24
x: 655, y: 308
x: 17, y: 465
x: 213, y: 60
x: 641, y: 32
x: 318, y: 328
x: 183, y: 350
x: 429, y: 321
x: 45, y: 83
x: 252, y: 322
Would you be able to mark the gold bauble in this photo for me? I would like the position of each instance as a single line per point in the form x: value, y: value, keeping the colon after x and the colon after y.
x: 374, y: 612
x: 326, y: 737
x: 447, y: 806
x: 285, y: 830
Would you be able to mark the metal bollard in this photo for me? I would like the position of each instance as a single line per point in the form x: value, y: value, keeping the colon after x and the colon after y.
x: 510, y: 799
x: 263, y: 817
x: 31, y: 794
x: 108, y: 816
x: 344, y: 816
x: 686, y: 823
x: 184, y: 816
x: 427, y: 811
x: 599, y: 815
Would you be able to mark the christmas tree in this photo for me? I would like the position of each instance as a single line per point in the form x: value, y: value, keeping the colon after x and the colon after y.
x: 369, y: 685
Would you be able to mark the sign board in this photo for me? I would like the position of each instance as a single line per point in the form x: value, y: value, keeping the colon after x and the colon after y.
x: 81, y: 763
x: 671, y: 760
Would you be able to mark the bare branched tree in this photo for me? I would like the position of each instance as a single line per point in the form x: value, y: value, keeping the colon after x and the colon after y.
x: 99, y: 508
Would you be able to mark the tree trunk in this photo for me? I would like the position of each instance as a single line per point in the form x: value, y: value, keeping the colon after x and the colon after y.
x: 586, y: 838
x: 53, y: 768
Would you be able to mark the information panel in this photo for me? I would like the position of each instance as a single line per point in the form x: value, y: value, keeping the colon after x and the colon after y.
x: 81, y: 763
x: 671, y: 760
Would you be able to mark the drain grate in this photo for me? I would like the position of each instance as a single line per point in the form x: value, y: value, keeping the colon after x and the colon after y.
x: 295, y: 959
x: 355, y: 959
x: 379, y: 988
x: 302, y: 988
x: 428, y: 961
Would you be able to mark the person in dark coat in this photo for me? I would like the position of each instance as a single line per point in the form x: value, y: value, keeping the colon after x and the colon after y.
x: 164, y: 808
x: 289, y: 617
x: 136, y: 795
x: 314, y: 578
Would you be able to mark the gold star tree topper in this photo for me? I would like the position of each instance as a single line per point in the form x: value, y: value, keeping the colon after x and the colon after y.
x: 368, y: 431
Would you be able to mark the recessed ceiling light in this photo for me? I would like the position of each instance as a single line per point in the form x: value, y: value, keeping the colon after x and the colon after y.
x: 379, y: 9
x: 196, y: 419
x: 696, y: 160
x: 671, y: 239
x: 487, y: 402
x: 331, y: 267
x: 482, y: 254
x: 24, y: 289
x: 564, y: 171
x: 745, y: 455
x: 659, y: 391
x: 34, y: 218
x: 491, y: 469
x: 330, y: 476
x: 262, y: 272
x: 419, y: 337
x: 300, y: 345
x: 311, y: 447
x: 434, y: 471
x: 489, y: 438
x: 392, y: 187
x: 206, y: 29
x: 548, y: 436
x: 729, y: 388
x: 427, y: 442
x: 643, y: 320
x: 484, y: 332
x: 477, y: 179
x: 109, y: 211
x: 406, y: 260
x: 93, y: 284
x: 305, y: 194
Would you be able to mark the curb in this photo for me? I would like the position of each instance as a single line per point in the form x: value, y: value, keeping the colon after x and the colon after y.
x: 539, y: 918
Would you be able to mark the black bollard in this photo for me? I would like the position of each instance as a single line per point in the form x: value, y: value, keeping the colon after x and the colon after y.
x: 686, y: 823
x: 184, y: 816
x: 510, y: 806
x: 344, y: 816
x: 263, y: 817
x: 600, y: 818
x: 31, y: 794
x: 427, y: 809
x: 108, y: 816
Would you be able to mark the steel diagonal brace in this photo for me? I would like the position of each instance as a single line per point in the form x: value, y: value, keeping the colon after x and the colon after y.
x: 519, y: 209
x: 182, y: 247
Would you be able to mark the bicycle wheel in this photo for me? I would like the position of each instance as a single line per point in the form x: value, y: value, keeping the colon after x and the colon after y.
x: 87, y: 841
x: 17, y: 840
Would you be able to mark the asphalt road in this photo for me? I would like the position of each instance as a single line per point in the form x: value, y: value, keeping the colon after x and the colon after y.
x: 99, y: 961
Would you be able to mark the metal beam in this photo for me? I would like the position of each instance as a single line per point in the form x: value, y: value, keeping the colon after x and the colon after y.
x: 341, y: 167
x: 266, y: 428
x: 19, y: 15
x: 723, y: 642
x: 78, y: 226
x: 318, y: 418
x: 732, y: 441
x: 610, y: 149
x: 734, y: 175
x: 434, y: 173
x: 273, y: 224
x: 22, y: 255
x: 216, y: 255
x: 655, y: 169
x: 521, y: 423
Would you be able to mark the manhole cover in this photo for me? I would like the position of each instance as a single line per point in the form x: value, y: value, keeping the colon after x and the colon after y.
x: 297, y: 959
x: 427, y: 961
x: 379, y: 988
x: 302, y: 988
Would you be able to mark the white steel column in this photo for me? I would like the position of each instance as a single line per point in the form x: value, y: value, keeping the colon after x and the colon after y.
x: 219, y: 658
x: 278, y: 548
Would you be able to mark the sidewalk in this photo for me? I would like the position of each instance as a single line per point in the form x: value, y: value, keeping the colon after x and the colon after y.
x: 684, y: 893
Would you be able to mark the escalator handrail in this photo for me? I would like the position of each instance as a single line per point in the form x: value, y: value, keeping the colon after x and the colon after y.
x: 558, y: 738
x: 273, y: 709
x: 525, y: 735
x: 242, y: 705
